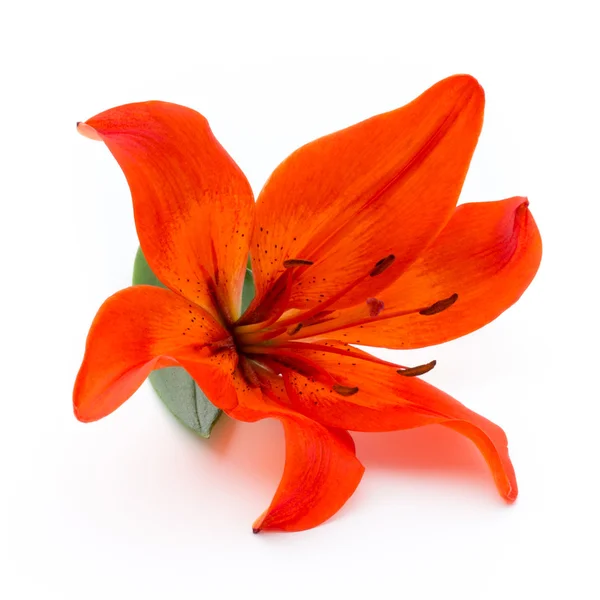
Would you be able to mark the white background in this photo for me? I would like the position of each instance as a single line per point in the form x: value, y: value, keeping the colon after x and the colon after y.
x: 136, y: 507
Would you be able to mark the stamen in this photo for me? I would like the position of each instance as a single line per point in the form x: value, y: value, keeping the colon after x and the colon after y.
x: 265, y: 376
x: 375, y: 306
x: 319, y: 308
x: 382, y: 265
x: 344, y: 390
x: 297, y: 262
x: 313, y: 329
x: 379, y: 268
x: 416, y: 371
x: 291, y: 360
x: 439, y: 306
x: 321, y: 317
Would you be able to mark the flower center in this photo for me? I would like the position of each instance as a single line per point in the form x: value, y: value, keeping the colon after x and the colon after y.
x: 270, y: 338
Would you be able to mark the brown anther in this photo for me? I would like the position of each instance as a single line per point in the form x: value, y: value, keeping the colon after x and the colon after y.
x: 416, y: 371
x: 382, y: 265
x: 294, y: 330
x: 297, y: 262
x: 439, y: 306
x: 344, y: 390
x: 375, y: 306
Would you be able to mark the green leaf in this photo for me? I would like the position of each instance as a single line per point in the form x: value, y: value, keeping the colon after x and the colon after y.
x: 185, y: 399
x: 142, y: 273
x: 248, y: 291
x: 178, y: 391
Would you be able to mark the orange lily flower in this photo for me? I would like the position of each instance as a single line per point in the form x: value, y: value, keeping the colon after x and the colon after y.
x: 354, y: 239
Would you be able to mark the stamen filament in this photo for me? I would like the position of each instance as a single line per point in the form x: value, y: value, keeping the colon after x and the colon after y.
x: 265, y: 374
x: 224, y: 344
x: 348, y: 351
x: 221, y: 308
x: 279, y: 307
x: 336, y: 325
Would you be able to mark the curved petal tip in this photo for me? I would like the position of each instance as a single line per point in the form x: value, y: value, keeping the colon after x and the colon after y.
x: 87, y: 131
x: 467, y: 83
x: 511, y: 494
x: 522, y: 208
x: 257, y: 526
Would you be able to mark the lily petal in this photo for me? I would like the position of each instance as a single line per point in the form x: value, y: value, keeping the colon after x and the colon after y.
x: 387, y: 401
x: 135, y: 331
x: 488, y: 254
x: 321, y: 470
x: 193, y: 206
x: 384, y: 186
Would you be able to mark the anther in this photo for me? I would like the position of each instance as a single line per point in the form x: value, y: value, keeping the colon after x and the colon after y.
x: 439, y: 306
x: 297, y: 262
x: 375, y: 306
x: 382, y: 265
x: 416, y: 371
x: 344, y: 390
x: 296, y: 329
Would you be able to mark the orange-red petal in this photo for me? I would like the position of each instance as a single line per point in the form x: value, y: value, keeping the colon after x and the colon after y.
x: 384, y: 186
x: 193, y: 206
x: 387, y: 401
x: 136, y: 330
x: 321, y: 469
x: 488, y: 254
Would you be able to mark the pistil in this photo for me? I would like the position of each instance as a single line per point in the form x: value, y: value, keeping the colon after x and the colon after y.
x: 311, y: 330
